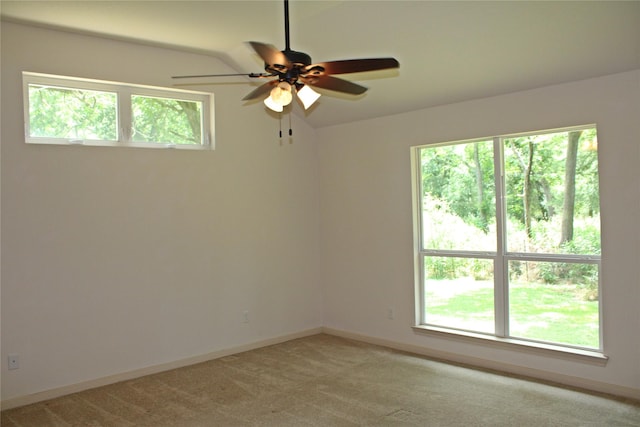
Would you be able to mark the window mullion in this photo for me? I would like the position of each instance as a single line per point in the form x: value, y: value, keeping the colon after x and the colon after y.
x: 124, y: 116
x: 417, y: 190
x: 501, y: 290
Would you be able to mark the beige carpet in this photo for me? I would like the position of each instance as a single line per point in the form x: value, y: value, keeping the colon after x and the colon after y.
x: 326, y: 381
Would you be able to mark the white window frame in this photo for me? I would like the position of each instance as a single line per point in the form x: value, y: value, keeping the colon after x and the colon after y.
x: 123, y: 91
x: 500, y: 257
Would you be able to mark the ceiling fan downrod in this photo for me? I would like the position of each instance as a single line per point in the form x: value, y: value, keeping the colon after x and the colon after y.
x: 301, y: 58
x: 286, y: 26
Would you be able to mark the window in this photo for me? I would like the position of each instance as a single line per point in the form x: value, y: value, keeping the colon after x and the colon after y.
x: 508, y: 237
x: 67, y: 110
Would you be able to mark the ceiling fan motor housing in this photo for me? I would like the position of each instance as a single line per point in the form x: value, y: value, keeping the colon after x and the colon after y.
x: 290, y: 72
x: 298, y: 59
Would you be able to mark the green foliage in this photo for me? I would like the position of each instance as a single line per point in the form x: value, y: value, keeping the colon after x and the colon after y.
x: 587, y: 240
x: 588, y: 194
x: 448, y: 232
x: 56, y: 112
x: 548, y: 174
x: 583, y: 275
x: 462, y: 175
x: 438, y: 268
x: 165, y: 120
x: 442, y: 267
x: 72, y: 113
x: 460, y: 179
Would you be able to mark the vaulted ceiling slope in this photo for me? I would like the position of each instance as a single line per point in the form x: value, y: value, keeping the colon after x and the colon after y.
x: 448, y: 51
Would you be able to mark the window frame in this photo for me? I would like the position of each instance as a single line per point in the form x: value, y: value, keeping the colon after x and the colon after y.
x: 500, y: 258
x: 124, y: 119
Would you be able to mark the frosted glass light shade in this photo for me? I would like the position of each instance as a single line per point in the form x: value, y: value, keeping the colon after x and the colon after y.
x: 272, y: 105
x: 307, y: 96
x: 281, y: 94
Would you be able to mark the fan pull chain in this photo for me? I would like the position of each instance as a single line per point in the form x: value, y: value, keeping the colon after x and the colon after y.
x: 280, y: 127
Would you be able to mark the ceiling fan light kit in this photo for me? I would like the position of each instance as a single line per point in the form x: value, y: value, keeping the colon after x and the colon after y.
x: 280, y: 95
x: 273, y: 105
x: 296, y: 73
x: 307, y: 96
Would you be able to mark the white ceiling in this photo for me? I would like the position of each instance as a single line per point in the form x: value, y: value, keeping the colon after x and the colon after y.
x: 449, y: 51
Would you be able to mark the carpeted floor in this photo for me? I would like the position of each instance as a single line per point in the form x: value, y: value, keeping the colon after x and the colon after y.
x: 326, y: 381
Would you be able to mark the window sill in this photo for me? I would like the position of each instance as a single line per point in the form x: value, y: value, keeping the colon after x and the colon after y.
x: 547, y: 350
x: 100, y: 143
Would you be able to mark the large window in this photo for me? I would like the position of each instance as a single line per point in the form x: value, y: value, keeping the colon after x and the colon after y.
x: 66, y: 110
x: 508, y: 238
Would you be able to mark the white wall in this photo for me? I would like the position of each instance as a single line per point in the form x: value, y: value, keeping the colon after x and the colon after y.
x: 116, y: 259
x: 366, y: 218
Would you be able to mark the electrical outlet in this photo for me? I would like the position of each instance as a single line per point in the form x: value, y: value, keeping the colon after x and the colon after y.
x: 13, y: 361
x: 391, y: 313
x: 245, y: 316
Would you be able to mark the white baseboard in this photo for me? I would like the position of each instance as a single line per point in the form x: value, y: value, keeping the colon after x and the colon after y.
x: 137, y: 373
x: 567, y: 380
x: 521, y: 371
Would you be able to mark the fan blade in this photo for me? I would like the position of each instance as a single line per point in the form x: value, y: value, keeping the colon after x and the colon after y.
x: 255, y: 75
x: 260, y: 90
x: 334, y: 83
x: 353, y: 66
x: 271, y: 56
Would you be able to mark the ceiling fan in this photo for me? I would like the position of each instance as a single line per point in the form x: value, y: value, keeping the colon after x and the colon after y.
x: 296, y: 73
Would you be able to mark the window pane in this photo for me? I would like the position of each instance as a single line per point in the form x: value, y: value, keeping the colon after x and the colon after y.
x: 552, y: 201
x: 554, y: 302
x: 165, y: 120
x: 58, y: 112
x: 458, y: 197
x: 458, y: 293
